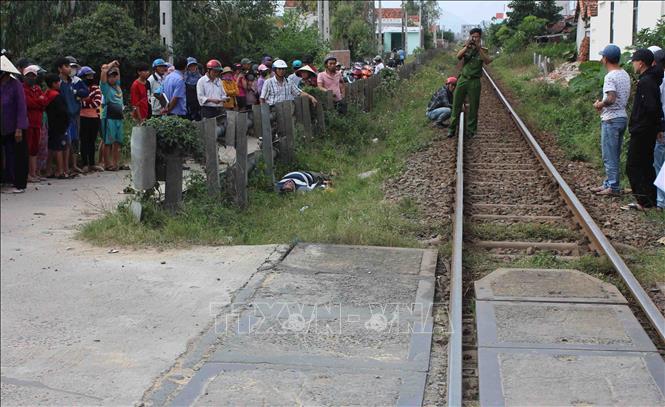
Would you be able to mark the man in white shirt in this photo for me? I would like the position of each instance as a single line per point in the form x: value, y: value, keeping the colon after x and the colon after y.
x: 209, y: 90
x: 155, y: 96
x: 614, y: 120
x: 379, y: 64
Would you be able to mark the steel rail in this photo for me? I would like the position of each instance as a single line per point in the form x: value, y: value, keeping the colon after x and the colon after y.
x: 599, y: 241
x: 455, y: 307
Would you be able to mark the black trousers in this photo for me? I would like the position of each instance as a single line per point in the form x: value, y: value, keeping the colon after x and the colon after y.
x: 639, y: 167
x: 89, y: 131
x: 209, y: 111
x: 16, y: 156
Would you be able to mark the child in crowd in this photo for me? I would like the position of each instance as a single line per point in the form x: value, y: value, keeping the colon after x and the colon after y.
x: 58, y: 122
x: 112, y: 126
x: 90, y: 120
x: 139, y: 94
x: 36, y: 104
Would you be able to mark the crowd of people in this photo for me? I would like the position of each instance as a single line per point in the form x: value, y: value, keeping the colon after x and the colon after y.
x: 646, y: 146
x: 52, y: 121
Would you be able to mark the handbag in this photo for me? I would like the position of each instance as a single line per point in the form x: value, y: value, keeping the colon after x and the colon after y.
x: 114, y: 111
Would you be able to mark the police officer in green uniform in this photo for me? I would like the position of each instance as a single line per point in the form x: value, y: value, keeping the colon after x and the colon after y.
x: 468, y: 83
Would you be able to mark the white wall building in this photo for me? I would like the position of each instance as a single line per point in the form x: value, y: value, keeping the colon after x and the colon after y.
x: 616, y: 21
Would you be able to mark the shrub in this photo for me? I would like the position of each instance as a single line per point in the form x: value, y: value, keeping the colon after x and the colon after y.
x: 175, y: 134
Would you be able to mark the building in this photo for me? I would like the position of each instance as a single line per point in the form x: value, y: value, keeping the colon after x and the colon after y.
x: 307, y: 18
x: 602, y: 22
x: 464, y: 30
x: 391, y: 30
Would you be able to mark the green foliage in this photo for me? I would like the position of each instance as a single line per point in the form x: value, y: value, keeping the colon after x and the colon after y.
x: 106, y: 34
x: 558, y: 50
x: 447, y: 35
x: 223, y: 29
x: 294, y: 40
x: 521, y: 9
x: 388, y: 85
x: 532, y: 26
x: 516, y: 41
x: 28, y: 22
x: 651, y: 36
x: 351, y: 27
x: 590, y: 79
x: 175, y: 134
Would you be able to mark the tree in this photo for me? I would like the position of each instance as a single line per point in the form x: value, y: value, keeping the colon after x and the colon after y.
x: 519, y: 10
x: 295, y: 40
x: 26, y: 23
x: 106, y: 34
x: 548, y: 10
x: 222, y: 29
x: 532, y: 26
x: 447, y: 35
x: 650, y: 36
x: 351, y: 26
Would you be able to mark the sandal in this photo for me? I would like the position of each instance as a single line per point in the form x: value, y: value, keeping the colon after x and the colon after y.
x: 123, y: 167
x: 633, y: 206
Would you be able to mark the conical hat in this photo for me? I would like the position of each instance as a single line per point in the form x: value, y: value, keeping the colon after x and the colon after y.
x: 7, y: 66
x: 305, y: 68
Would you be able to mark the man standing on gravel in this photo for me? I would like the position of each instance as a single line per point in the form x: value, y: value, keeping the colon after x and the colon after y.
x: 613, y: 118
x: 659, y: 150
x: 646, y: 124
x: 473, y: 56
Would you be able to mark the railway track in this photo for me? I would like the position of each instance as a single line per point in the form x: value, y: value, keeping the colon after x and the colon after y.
x: 511, y: 203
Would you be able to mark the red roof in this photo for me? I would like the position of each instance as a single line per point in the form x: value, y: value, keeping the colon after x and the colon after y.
x: 291, y: 3
x: 499, y: 16
x: 397, y: 13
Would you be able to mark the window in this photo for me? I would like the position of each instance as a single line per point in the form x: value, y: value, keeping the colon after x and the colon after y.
x: 163, y: 18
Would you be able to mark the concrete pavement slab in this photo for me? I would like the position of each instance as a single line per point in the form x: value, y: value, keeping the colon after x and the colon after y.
x: 550, y: 285
x: 551, y: 377
x: 82, y: 325
x: 562, y: 326
x: 362, y: 348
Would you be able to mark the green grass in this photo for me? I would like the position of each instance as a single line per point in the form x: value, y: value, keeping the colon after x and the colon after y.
x: 646, y: 266
x: 352, y: 212
x: 521, y: 231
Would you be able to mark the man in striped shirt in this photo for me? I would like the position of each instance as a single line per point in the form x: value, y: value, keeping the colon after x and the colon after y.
x: 279, y: 89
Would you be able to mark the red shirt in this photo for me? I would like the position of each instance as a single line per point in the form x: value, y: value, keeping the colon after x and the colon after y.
x: 138, y: 97
x: 36, y: 103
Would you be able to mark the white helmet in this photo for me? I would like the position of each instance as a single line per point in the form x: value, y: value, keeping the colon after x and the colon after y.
x: 279, y: 64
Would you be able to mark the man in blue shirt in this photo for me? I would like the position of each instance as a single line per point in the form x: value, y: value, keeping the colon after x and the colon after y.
x: 175, y: 90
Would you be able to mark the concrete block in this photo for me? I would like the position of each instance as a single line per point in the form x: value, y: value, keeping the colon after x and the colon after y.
x: 529, y: 377
x: 354, y: 259
x: 550, y: 285
x: 561, y: 326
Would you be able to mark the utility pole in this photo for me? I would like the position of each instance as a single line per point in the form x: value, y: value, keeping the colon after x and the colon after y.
x: 380, y: 29
x: 326, y: 20
x: 166, y: 26
x: 420, y: 24
x: 404, y: 31
x: 323, y: 14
